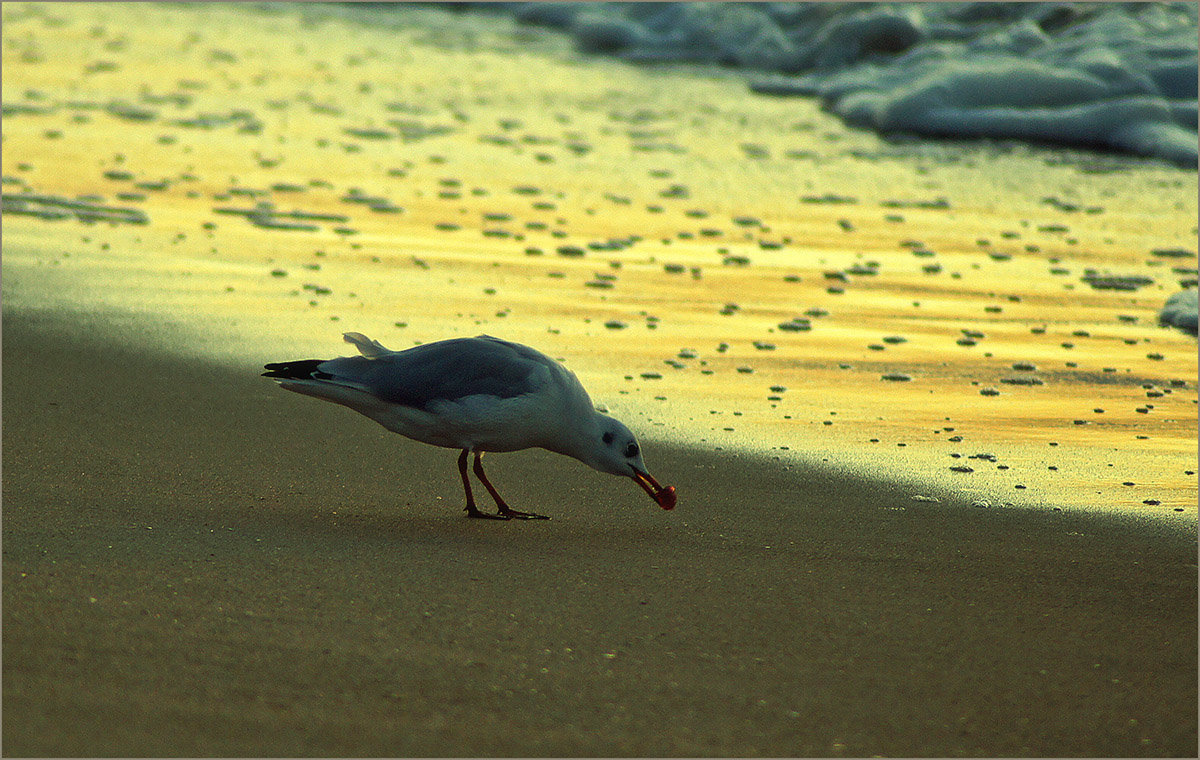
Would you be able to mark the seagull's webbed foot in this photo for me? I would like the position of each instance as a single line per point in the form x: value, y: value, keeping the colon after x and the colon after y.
x: 472, y: 511
x: 505, y: 512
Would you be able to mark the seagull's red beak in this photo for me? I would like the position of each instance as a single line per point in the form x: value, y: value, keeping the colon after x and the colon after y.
x: 664, y: 497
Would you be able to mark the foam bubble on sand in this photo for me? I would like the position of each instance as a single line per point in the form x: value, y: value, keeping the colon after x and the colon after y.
x: 1182, y: 311
x: 1113, y: 76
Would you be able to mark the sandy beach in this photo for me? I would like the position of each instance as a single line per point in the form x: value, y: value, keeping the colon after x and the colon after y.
x: 936, y: 471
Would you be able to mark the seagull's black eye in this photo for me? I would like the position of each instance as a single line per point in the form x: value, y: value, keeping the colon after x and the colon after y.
x: 607, y: 438
x: 631, y: 451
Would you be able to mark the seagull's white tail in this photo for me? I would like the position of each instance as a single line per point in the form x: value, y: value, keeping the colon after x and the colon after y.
x: 372, y: 349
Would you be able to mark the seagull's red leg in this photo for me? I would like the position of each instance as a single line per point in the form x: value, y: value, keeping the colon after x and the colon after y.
x: 471, y: 509
x: 504, y: 510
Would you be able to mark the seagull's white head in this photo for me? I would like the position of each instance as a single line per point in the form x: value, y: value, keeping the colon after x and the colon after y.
x: 611, y: 447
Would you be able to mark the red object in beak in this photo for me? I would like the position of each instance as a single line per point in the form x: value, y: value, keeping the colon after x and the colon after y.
x: 664, y: 497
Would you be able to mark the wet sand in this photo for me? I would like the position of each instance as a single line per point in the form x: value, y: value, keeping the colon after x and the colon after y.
x: 197, y: 563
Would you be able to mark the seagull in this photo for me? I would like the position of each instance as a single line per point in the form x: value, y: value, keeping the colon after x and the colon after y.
x: 477, y: 395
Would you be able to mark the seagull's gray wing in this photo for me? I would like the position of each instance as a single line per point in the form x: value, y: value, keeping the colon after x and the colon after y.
x: 447, y: 370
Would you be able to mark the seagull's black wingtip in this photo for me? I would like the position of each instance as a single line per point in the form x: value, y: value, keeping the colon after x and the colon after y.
x: 298, y: 370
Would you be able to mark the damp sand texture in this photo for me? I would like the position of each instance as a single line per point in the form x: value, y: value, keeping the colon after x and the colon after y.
x: 912, y: 518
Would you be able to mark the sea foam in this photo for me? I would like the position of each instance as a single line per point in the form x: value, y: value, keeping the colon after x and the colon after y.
x: 1120, y: 76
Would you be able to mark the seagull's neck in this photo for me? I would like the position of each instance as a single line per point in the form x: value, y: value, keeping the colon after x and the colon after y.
x: 577, y: 437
